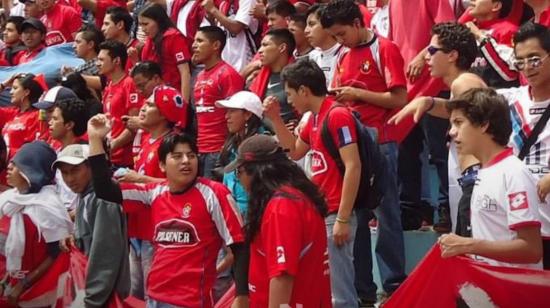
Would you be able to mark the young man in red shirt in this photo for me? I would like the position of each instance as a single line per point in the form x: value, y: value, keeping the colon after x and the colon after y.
x: 33, y: 34
x: 117, y: 25
x: 217, y: 81
x: 288, y: 261
x: 120, y: 98
x: 62, y: 21
x: 193, y: 217
x: 12, y: 38
x: 306, y: 87
x: 370, y: 79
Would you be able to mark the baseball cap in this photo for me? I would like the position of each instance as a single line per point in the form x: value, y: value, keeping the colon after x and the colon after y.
x: 258, y: 148
x: 74, y: 154
x: 170, y: 103
x: 53, y: 95
x: 243, y: 100
x: 25, y: 1
x: 33, y: 23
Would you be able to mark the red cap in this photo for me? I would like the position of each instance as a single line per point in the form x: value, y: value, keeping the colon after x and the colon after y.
x: 171, y: 105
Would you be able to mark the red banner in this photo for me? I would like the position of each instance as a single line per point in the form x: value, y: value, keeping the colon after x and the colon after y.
x: 463, y: 282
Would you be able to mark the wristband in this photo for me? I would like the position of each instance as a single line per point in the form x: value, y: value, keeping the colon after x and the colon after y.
x: 342, y: 221
x: 432, y: 105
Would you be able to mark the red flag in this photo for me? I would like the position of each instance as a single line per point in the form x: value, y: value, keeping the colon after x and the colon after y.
x: 438, y: 282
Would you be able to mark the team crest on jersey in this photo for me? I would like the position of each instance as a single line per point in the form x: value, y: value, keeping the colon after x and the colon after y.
x: 518, y: 201
x: 133, y: 98
x: 281, y: 259
x: 365, y: 67
x: 179, y: 56
x: 186, y: 213
x: 176, y: 233
x: 150, y: 156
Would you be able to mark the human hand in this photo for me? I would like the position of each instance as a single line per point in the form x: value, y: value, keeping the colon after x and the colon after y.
x: 272, y: 108
x: 415, y: 67
x: 417, y: 108
x: 131, y: 177
x: 543, y: 187
x: 454, y: 245
x: 66, y: 244
x: 98, y: 126
x: 131, y: 122
x: 343, y: 94
x: 341, y: 233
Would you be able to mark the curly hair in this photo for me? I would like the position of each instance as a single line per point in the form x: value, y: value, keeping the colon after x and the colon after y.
x: 453, y: 36
x: 75, y: 110
x: 270, y: 176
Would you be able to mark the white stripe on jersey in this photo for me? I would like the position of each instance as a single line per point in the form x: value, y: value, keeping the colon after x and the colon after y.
x: 214, y: 208
x: 143, y: 195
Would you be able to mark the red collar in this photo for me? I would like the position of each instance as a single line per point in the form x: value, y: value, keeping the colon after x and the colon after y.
x: 499, y: 157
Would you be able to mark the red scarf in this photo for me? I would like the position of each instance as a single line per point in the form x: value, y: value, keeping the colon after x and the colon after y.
x: 259, y: 84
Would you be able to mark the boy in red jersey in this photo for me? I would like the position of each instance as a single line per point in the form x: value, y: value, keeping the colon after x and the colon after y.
x: 62, y: 21
x: 33, y: 33
x: 117, y: 25
x: 12, y: 38
x: 306, y: 88
x: 288, y: 264
x: 193, y: 217
x: 120, y: 98
x: 217, y: 81
x: 370, y: 79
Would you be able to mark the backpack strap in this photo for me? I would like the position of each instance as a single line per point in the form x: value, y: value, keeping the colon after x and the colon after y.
x: 328, y: 141
x: 535, y: 133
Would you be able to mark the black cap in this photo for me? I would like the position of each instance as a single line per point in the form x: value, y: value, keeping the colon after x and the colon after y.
x: 25, y: 1
x: 33, y: 23
x: 258, y: 148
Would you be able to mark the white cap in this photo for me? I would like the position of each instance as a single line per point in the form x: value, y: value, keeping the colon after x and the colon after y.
x: 243, y: 100
x: 74, y: 154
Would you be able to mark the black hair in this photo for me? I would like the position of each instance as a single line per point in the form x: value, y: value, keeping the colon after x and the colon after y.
x: 3, y: 155
x: 213, y: 34
x: 484, y: 106
x: 270, y: 176
x: 158, y: 14
x: 531, y: 30
x: 506, y: 8
x: 316, y: 9
x: 453, y: 36
x: 74, y: 110
x: 341, y: 12
x: 148, y: 69
x: 28, y: 83
x: 280, y: 7
x: 17, y: 21
x: 232, y: 142
x: 119, y: 14
x: 116, y: 49
x: 76, y: 82
x: 283, y: 36
x: 300, y: 19
x: 307, y: 73
x: 92, y: 34
x: 170, y: 141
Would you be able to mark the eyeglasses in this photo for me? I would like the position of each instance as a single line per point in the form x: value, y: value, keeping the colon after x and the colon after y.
x: 533, y: 62
x: 432, y: 50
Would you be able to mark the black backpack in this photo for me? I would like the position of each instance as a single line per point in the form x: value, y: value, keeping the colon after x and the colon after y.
x: 373, y: 162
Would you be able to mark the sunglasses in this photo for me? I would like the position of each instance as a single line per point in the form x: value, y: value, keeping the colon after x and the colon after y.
x: 432, y: 50
x: 533, y: 62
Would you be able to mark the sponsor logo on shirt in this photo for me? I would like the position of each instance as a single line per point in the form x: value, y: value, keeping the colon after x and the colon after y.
x: 318, y: 163
x: 486, y: 203
x: 133, y: 97
x: 518, y: 201
x: 54, y: 37
x: 201, y: 109
x: 176, y: 233
x: 281, y: 255
x: 16, y: 126
x: 179, y: 56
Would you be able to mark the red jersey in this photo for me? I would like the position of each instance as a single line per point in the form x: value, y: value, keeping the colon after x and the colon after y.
x: 324, y: 170
x: 376, y: 66
x: 146, y: 162
x: 129, y: 63
x: 219, y: 82
x: 28, y: 56
x: 175, y: 51
x: 61, y: 21
x: 18, y: 128
x: 292, y: 240
x: 101, y: 9
x: 15, y: 57
x: 190, y: 228
x: 545, y: 18
x: 118, y: 99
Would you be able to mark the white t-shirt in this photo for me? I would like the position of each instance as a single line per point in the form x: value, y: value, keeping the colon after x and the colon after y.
x: 327, y: 59
x: 504, y: 199
x: 525, y: 114
x: 380, y: 21
x: 182, y: 15
x: 237, y: 51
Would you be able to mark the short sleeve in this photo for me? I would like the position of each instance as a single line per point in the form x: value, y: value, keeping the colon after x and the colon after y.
x: 136, y: 196
x: 522, y: 202
x: 341, y: 126
x: 242, y: 15
x: 231, y: 82
x: 225, y: 214
x: 282, y: 236
x: 179, y: 48
x: 441, y: 11
x: 394, y: 74
x: 134, y: 99
x: 75, y: 22
x: 306, y: 131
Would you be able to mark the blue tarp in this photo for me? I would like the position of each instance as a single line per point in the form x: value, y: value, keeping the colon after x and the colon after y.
x: 48, y: 62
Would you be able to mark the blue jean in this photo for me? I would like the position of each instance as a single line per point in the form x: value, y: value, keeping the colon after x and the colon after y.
x: 141, y: 256
x: 151, y: 303
x: 390, y: 247
x: 208, y: 162
x: 342, y: 273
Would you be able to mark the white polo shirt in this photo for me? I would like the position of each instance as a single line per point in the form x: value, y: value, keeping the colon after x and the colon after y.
x: 504, y: 200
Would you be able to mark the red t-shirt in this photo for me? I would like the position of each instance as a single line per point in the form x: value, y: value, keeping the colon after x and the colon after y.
x: 545, y: 18
x: 174, y: 53
x: 118, y: 99
x: 219, y: 82
x: 101, y: 9
x: 27, y: 56
x: 378, y: 67
x: 190, y: 228
x: 61, y: 21
x: 18, y: 128
x: 15, y: 58
x: 129, y: 63
x: 292, y: 240
x: 324, y: 170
